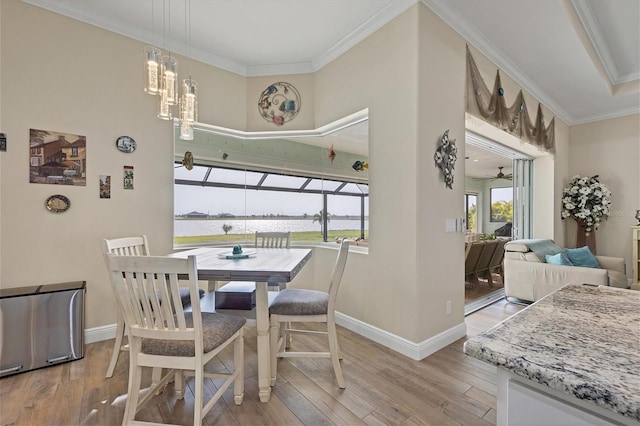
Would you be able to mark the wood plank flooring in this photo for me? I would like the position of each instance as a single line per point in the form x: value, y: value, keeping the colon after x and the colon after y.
x: 383, y: 387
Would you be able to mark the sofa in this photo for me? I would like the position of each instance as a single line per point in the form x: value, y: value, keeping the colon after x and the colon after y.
x: 529, y: 277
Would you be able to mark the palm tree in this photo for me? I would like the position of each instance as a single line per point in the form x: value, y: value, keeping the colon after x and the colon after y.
x: 319, y: 217
x: 226, y: 228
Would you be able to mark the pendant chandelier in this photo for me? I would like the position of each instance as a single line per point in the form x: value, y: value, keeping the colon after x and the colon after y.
x: 161, y: 79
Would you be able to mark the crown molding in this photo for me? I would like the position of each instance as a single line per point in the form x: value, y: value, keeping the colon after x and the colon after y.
x: 371, y: 25
x: 616, y: 114
x: 592, y: 28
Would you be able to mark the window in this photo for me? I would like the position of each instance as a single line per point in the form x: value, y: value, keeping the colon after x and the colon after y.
x: 471, y: 211
x: 216, y: 205
x: 501, y: 201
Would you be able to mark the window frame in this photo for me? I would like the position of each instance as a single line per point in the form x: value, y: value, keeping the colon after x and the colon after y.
x: 206, y: 181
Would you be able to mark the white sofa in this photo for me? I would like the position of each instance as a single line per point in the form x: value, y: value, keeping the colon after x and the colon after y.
x: 529, y: 278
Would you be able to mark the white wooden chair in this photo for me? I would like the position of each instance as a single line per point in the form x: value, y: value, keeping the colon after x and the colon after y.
x: 299, y: 305
x: 162, y: 335
x: 273, y: 239
x: 127, y: 246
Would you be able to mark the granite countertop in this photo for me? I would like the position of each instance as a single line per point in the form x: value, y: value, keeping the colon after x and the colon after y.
x: 581, y: 340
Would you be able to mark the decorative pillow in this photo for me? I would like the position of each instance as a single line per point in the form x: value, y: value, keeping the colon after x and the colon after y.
x: 582, y: 257
x: 558, y: 259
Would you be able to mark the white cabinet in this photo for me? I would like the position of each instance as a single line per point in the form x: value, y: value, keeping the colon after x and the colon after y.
x: 635, y: 285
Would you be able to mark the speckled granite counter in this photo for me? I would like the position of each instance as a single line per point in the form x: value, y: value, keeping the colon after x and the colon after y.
x: 580, y: 340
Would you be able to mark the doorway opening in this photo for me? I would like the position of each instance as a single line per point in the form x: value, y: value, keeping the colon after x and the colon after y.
x: 498, y: 204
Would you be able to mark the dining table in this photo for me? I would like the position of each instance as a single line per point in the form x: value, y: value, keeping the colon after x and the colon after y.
x: 258, y: 265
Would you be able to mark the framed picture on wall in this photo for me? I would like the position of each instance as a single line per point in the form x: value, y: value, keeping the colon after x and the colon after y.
x: 57, y: 158
x: 127, y: 177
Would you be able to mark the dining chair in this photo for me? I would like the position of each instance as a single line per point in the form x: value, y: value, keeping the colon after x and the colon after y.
x: 293, y: 305
x: 163, y: 335
x: 127, y: 246
x: 130, y: 246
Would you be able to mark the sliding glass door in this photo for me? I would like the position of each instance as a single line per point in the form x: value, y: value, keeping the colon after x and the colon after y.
x: 522, y: 196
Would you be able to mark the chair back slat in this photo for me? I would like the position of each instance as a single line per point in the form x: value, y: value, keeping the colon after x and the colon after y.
x: 127, y: 246
x: 272, y: 239
x: 489, y: 248
x: 498, y: 255
x: 472, y: 255
x: 338, y: 271
x: 149, y: 295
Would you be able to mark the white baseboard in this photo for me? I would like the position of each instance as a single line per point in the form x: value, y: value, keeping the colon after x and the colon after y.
x: 416, y: 351
x: 98, y: 334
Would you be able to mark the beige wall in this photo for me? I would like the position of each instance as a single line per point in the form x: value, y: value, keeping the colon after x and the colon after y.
x: 62, y: 75
x: 383, y: 294
x: 610, y: 149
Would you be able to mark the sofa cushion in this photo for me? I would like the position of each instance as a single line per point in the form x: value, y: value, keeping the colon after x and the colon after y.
x: 540, y: 247
x: 558, y: 259
x: 582, y: 257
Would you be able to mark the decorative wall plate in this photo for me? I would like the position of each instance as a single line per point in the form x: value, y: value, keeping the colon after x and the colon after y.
x: 126, y: 144
x: 57, y: 203
x: 279, y: 103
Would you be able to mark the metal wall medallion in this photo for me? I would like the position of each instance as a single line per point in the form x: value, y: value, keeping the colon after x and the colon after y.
x: 445, y: 158
x: 57, y: 203
x: 126, y: 144
x: 279, y: 103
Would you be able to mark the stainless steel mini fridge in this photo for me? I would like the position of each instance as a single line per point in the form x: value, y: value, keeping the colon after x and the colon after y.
x: 41, y: 326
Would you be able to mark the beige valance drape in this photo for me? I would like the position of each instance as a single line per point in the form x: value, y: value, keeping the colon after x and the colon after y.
x: 492, y: 107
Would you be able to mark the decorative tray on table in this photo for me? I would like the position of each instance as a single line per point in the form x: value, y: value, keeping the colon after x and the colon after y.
x: 237, y: 253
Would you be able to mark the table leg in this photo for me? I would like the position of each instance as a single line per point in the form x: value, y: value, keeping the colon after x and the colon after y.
x: 262, y: 325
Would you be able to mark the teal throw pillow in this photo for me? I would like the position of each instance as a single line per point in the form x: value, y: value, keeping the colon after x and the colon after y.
x: 558, y: 259
x: 582, y: 257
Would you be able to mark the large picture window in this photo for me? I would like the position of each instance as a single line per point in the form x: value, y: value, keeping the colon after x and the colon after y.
x: 216, y: 205
x: 501, y: 202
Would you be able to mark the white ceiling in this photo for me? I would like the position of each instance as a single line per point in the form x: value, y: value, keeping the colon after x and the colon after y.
x: 580, y: 58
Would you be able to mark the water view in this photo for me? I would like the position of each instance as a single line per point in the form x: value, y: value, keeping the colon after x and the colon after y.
x: 194, y: 227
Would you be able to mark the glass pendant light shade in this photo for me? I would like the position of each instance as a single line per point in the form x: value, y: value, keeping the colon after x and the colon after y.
x: 169, y: 71
x: 189, y: 101
x: 164, y: 108
x: 152, y: 70
x: 186, y: 131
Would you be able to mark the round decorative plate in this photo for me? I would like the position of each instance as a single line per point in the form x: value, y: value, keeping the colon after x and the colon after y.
x: 57, y: 203
x: 126, y: 144
x: 279, y: 103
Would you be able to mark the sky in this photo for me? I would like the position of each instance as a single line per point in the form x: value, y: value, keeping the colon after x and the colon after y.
x: 213, y: 201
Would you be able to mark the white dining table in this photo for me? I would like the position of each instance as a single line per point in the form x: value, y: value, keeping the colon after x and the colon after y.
x: 264, y: 264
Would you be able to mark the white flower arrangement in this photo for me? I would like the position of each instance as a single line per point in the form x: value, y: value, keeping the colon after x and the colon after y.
x: 586, y: 200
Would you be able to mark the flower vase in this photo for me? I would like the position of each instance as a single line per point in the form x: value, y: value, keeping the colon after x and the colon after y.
x: 583, y: 239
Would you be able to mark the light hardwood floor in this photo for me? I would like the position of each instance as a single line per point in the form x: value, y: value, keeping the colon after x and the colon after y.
x: 383, y: 387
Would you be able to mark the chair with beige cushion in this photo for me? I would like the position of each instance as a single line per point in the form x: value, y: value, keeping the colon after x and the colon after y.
x: 294, y: 305
x: 163, y: 336
x: 527, y: 275
x: 127, y: 246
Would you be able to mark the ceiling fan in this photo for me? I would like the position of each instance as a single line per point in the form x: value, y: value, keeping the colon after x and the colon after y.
x: 501, y: 175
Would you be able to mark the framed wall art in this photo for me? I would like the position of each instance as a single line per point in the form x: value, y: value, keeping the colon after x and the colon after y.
x: 105, y: 186
x: 127, y: 177
x: 57, y: 158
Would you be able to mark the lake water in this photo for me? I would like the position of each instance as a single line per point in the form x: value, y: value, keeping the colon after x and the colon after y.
x: 186, y: 227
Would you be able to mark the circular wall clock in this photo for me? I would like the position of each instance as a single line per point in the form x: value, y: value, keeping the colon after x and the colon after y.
x: 57, y: 203
x: 126, y: 144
